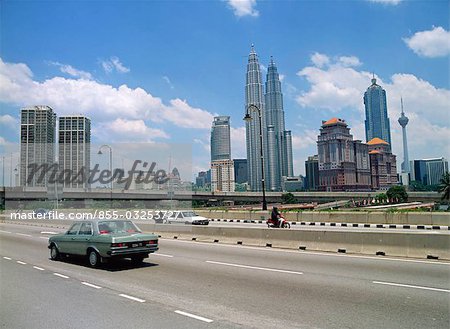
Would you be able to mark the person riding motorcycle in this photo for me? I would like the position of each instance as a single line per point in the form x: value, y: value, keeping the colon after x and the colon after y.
x: 276, y: 216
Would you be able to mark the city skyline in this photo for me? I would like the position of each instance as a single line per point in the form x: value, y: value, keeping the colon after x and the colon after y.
x: 167, y: 86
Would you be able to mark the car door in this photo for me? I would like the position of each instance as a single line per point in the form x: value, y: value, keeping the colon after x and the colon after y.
x: 83, y: 239
x: 65, y: 243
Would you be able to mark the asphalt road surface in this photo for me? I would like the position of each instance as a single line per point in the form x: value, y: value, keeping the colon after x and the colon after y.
x: 199, y: 285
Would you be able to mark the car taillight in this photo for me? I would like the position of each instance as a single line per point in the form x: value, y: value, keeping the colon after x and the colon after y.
x: 120, y: 244
x: 153, y: 242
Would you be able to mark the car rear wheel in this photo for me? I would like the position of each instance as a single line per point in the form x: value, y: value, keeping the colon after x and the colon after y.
x: 54, y: 253
x: 94, y: 258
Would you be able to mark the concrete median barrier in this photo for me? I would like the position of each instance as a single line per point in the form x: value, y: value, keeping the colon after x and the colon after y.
x: 390, y: 243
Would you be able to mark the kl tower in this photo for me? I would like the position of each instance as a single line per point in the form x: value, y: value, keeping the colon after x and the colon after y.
x: 403, y: 121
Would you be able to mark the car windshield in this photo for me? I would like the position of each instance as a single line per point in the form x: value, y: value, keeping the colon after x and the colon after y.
x: 117, y: 226
x: 189, y: 214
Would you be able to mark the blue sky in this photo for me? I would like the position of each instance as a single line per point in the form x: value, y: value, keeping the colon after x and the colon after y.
x: 159, y: 71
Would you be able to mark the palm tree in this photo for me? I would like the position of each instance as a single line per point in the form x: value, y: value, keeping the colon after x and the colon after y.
x: 444, y: 187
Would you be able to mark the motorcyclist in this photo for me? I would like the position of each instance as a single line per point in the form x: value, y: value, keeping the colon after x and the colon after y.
x: 276, y: 216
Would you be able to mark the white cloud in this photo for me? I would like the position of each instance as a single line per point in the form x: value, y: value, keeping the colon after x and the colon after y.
x: 70, y: 70
x: 243, y: 7
x: 8, y: 121
x: 130, y: 130
x: 338, y: 88
x: 387, y: 2
x: 114, y: 64
x: 320, y: 60
x: 101, y: 102
x: 432, y: 43
x: 350, y: 61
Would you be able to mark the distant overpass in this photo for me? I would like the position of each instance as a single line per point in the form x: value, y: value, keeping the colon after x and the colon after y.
x: 19, y: 194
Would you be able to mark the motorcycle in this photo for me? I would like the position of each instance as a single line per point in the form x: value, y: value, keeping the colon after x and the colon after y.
x: 282, y: 223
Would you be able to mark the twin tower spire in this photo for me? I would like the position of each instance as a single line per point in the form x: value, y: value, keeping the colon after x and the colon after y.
x: 277, y: 141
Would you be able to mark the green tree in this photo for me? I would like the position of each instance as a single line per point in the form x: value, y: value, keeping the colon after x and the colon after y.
x: 444, y: 187
x: 287, y: 198
x: 397, y: 193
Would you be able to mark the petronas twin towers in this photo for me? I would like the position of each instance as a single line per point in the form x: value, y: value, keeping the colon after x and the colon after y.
x: 277, y: 142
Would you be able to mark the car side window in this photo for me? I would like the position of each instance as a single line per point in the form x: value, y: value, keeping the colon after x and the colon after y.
x: 86, y: 229
x: 74, y: 229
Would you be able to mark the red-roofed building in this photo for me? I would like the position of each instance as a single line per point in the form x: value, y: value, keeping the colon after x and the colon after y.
x: 383, y: 165
x: 343, y: 162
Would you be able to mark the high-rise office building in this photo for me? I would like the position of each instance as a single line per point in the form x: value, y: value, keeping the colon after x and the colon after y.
x: 37, y: 143
x: 343, y: 162
x: 254, y: 98
x: 429, y: 171
x: 377, y: 120
x: 75, y: 149
x: 383, y: 164
x: 240, y: 171
x: 312, y: 173
x: 222, y: 167
x: 279, y: 141
x: 220, y: 139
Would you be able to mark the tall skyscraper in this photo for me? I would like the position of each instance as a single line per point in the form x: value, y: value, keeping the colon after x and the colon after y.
x: 377, y: 120
x: 403, y: 121
x: 220, y: 139
x: 279, y: 141
x: 37, y: 143
x: 254, y: 96
x: 75, y: 148
x: 343, y: 162
x: 222, y: 167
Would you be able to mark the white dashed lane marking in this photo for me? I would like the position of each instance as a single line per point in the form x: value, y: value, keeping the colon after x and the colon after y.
x: 162, y: 255
x: 132, y: 298
x: 61, y: 275
x: 5, y: 232
x: 410, y: 286
x: 91, y: 285
x: 254, y: 267
x: 23, y: 234
x: 7, y: 258
x: 20, y: 262
x: 38, y: 268
x: 194, y: 316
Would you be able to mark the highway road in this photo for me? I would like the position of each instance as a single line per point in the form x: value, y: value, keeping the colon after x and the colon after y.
x: 200, y: 285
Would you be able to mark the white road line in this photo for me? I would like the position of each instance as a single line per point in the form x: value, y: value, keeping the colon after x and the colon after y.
x: 48, y: 232
x: 254, y: 267
x: 133, y: 298
x: 38, y: 268
x: 194, y: 316
x: 91, y: 285
x: 22, y: 263
x: 162, y: 255
x: 23, y: 234
x: 4, y: 231
x: 7, y: 258
x: 410, y: 286
x: 44, y: 237
x: 61, y: 275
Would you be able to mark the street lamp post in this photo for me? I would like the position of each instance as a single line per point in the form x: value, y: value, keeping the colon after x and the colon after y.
x: 110, y: 167
x: 248, y: 118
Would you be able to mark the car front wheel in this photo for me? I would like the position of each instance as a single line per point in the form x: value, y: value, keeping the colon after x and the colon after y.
x: 54, y: 253
x: 94, y: 258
